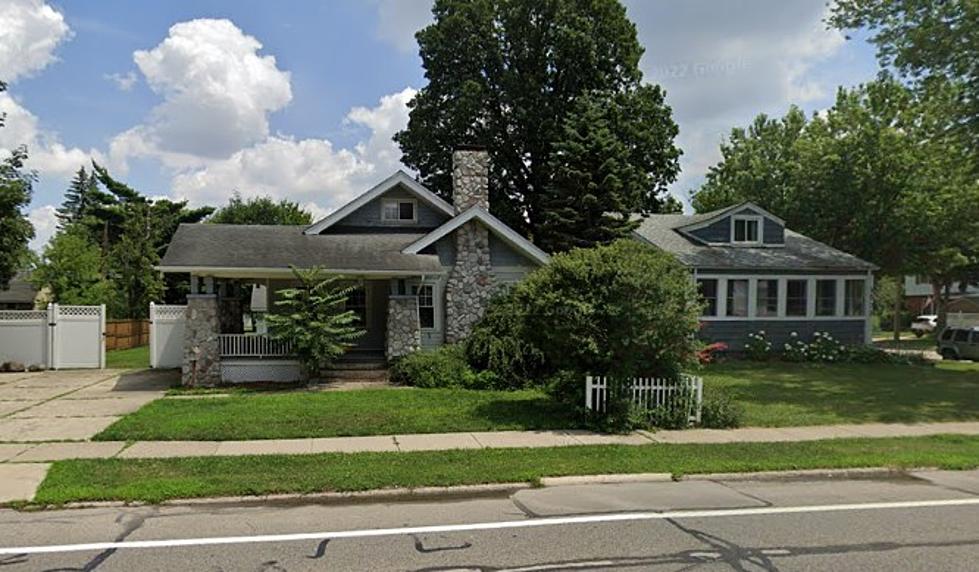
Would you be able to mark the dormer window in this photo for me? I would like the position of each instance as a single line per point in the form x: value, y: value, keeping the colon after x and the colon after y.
x: 398, y: 210
x: 746, y: 229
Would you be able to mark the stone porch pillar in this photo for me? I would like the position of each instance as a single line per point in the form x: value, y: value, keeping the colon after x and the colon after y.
x: 404, y: 333
x: 202, y: 348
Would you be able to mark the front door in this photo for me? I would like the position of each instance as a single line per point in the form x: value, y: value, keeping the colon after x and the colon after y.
x: 369, y: 302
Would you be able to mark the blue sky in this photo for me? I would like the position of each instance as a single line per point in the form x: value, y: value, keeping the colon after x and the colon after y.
x: 196, y: 99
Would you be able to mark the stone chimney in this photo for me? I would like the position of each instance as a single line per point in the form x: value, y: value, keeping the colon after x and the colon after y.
x: 470, y: 177
x: 470, y: 282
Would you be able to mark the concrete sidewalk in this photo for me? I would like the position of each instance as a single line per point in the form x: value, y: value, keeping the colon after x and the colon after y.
x: 43, y: 452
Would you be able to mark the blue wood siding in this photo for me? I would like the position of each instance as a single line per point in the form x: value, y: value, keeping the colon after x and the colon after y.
x: 735, y: 333
x: 774, y: 233
x: 719, y: 231
x: 369, y: 215
x: 502, y: 254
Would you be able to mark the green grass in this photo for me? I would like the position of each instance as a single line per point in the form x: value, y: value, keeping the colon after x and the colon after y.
x: 785, y: 394
x: 338, y: 413
x: 132, y: 358
x: 156, y: 480
x: 908, y: 341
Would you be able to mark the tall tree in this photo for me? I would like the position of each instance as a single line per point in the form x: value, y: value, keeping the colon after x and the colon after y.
x: 925, y: 40
x: 16, y: 231
x: 261, y: 210
x: 82, y: 196
x: 132, y: 263
x: 70, y: 269
x: 507, y: 74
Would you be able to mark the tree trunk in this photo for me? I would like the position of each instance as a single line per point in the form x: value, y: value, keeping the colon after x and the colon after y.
x: 898, y: 306
x: 940, y: 293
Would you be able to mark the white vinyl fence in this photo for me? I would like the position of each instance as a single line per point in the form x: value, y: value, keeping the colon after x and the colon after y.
x: 56, y: 338
x: 962, y: 320
x: 167, y: 335
x: 651, y: 393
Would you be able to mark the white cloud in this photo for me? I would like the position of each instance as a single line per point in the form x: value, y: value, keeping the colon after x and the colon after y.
x: 29, y: 33
x: 310, y: 171
x: 217, y: 93
x: 125, y: 82
x: 45, y: 224
x: 398, y: 20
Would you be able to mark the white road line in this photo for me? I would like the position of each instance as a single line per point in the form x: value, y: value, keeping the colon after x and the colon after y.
x: 530, y: 523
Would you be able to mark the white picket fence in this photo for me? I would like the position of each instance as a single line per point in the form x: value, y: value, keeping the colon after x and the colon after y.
x: 56, y: 338
x: 651, y: 393
x: 167, y: 335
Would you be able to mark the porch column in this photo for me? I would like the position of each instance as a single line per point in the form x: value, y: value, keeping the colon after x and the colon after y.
x: 202, y: 347
x: 404, y: 334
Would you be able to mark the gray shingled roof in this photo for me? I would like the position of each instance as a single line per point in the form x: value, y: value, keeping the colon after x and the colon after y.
x: 799, y: 252
x: 275, y: 247
x: 20, y: 291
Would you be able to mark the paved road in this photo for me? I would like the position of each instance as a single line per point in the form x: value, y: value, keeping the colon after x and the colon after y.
x: 929, y: 521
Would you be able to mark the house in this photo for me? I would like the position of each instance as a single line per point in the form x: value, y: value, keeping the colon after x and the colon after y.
x: 424, y: 271
x: 919, y: 296
x: 20, y: 294
x: 756, y: 275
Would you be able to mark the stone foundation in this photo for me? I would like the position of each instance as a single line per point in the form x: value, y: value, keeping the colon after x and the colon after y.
x: 404, y: 334
x: 202, y: 347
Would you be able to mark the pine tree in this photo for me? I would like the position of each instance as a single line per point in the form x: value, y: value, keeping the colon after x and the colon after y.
x: 80, y: 198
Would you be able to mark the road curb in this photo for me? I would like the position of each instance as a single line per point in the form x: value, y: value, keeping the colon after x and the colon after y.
x: 606, y: 479
x: 867, y: 472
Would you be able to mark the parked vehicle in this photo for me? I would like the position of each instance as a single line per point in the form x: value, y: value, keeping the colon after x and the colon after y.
x: 959, y: 343
x: 925, y: 324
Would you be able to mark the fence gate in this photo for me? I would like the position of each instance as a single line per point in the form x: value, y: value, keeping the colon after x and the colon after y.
x: 59, y: 337
x: 167, y: 335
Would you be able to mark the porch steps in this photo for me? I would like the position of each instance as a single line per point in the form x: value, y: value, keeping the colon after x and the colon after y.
x: 358, y: 366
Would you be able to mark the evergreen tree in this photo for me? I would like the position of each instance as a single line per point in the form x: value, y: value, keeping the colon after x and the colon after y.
x: 81, y: 197
x: 132, y: 262
x: 16, y: 231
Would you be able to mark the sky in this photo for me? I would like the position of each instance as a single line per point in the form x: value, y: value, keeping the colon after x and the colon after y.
x: 197, y: 99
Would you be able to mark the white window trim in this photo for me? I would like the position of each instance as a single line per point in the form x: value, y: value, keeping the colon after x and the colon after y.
x: 436, y: 305
x: 414, y: 209
x: 722, y: 280
x: 761, y: 229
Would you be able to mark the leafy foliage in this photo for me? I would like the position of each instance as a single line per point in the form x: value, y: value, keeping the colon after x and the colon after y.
x: 524, y: 78
x: 15, y: 194
x: 313, y: 319
x: 261, y: 210
x: 444, y: 366
x: 70, y: 268
x: 719, y: 410
x: 498, y: 343
x: 758, y: 347
x: 132, y: 262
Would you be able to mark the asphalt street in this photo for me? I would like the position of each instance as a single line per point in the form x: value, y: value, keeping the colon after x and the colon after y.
x: 923, y: 521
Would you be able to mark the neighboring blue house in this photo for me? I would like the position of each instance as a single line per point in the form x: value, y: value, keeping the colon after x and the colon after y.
x: 756, y: 275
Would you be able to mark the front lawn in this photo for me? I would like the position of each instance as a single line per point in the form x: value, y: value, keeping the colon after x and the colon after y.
x: 908, y: 341
x: 132, y: 358
x: 338, y: 413
x: 778, y: 394
x: 156, y: 480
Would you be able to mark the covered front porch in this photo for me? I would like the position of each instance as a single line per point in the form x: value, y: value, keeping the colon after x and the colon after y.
x: 226, y: 338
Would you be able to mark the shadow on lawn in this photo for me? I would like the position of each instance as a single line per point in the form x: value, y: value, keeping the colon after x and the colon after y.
x: 529, y: 414
x: 856, y: 392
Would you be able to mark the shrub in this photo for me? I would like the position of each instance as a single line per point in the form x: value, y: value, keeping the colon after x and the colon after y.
x: 795, y: 349
x: 498, y: 344
x: 825, y: 348
x: 445, y: 366
x: 621, y: 310
x: 758, y: 348
x: 719, y: 410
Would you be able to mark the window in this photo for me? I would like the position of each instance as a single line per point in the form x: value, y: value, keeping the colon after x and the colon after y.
x: 708, y: 289
x: 825, y: 297
x: 767, y: 298
x: 357, y: 303
x: 398, y: 210
x: 947, y: 334
x: 975, y: 336
x: 853, y: 300
x: 961, y: 335
x: 746, y: 229
x: 796, y: 297
x: 737, y: 298
x: 426, y: 305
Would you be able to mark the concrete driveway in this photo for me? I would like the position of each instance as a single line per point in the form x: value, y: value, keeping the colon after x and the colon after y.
x: 73, y: 405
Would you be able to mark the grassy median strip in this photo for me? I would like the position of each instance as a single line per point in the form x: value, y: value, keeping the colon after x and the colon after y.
x: 337, y: 414
x: 155, y: 480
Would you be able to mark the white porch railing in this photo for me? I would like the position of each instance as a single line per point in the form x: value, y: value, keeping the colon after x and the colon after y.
x: 651, y: 393
x: 253, y: 346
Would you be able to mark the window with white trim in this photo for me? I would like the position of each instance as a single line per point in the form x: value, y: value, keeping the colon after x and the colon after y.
x: 737, y: 298
x: 796, y: 297
x: 767, y: 298
x: 398, y: 210
x: 708, y: 289
x: 854, y: 302
x: 426, y: 305
x: 825, y: 297
x: 746, y: 229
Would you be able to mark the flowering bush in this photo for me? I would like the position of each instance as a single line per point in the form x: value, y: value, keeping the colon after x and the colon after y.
x: 825, y: 348
x: 758, y: 348
x: 795, y: 349
x: 706, y: 354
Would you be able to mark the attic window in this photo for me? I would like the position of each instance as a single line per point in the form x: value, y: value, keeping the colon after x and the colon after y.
x: 746, y: 229
x: 398, y: 210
